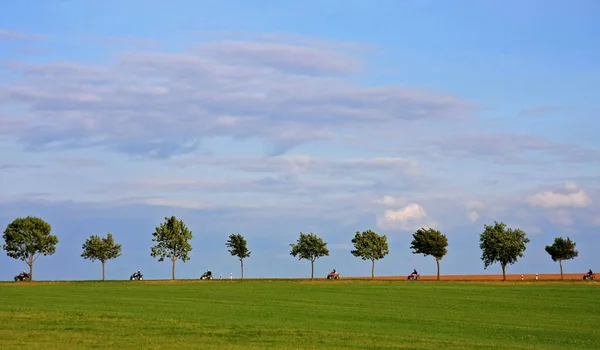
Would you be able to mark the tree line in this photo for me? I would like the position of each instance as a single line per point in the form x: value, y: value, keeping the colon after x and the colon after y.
x: 28, y: 238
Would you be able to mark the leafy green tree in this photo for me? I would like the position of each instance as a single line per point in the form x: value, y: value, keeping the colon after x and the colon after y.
x: 28, y: 238
x: 102, y: 249
x: 430, y: 242
x: 369, y: 245
x: 501, y: 244
x: 172, y: 237
x: 238, y: 247
x: 309, y: 247
x: 562, y: 249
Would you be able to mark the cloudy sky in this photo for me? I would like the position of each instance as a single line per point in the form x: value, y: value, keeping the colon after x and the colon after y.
x: 268, y: 118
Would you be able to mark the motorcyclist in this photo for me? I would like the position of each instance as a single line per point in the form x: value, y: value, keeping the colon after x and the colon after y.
x: 590, y: 272
x: 414, y: 272
x: 334, y: 271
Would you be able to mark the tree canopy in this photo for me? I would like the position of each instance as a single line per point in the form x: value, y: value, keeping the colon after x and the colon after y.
x: 102, y: 249
x: 369, y: 245
x: 309, y: 247
x: 562, y: 249
x: 172, y: 238
x: 502, y: 244
x: 27, y: 239
x: 430, y: 242
x: 238, y: 247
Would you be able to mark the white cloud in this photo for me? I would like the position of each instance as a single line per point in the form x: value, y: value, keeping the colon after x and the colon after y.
x: 17, y: 36
x: 410, y: 218
x: 166, y: 202
x: 572, y: 197
x: 472, y: 216
x: 472, y: 210
x: 530, y: 229
x: 154, y: 103
x: 560, y: 217
x: 389, y: 201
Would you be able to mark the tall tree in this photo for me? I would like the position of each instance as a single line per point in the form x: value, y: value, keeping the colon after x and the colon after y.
x: 172, y: 237
x: 238, y: 247
x: 309, y: 247
x: 101, y: 248
x: 430, y: 242
x: 562, y: 249
x: 368, y: 245
x: 501, y: 244
x: 28, y: 238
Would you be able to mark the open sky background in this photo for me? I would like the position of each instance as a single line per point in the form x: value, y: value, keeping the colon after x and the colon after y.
x: 268, y: 118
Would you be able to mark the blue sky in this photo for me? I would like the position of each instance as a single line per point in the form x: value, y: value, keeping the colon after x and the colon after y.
x: 268, y: 118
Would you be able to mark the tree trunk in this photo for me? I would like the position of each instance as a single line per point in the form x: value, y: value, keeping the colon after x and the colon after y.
x: 372, y: 269
x: 312, y: 272
x: 30, y: 263
x: 103, y: 274
x: 504, y: 272
x: 242, y: 265
x: 561, y: 271
x: 438, y: 266
x: 173, y: 268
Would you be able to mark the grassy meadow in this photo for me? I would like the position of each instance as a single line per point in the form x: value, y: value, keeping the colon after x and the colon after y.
x: 299, y: 315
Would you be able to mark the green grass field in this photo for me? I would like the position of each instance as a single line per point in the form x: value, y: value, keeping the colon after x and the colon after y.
x: 300, y: 315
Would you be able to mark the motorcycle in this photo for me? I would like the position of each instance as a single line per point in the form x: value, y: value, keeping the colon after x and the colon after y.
x: 589, y: 276
x: 22, y: 277
x: 206, y: 276
x: 333, y: 276
x: 136, y: 277
x: 414, y: 276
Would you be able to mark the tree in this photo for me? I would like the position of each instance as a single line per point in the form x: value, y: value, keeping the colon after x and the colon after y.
x: 430, y: 242
x: 172, y: 237
x: 238, y: 247
x: 370, y: 246
x: 562, y: 249
x: 28, y: 238
x: 501, y: 244
x: 309, y: 247
x: 101, y: 248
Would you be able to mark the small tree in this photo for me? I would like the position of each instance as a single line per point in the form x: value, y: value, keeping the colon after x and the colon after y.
x: 430, y: 242
x: 501, y: 244
x: 28, y: 238
x: 172, y: 237
x: 562, y: 249
x: 309, y: 247
x: 370, y: 246
x: 238, y: 247
x: 101, y: 248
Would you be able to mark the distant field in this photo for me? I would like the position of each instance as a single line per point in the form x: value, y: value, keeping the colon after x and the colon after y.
x: 492, y: 277
x: 300, y: 314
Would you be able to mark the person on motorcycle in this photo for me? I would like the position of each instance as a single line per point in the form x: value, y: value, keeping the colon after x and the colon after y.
x: 414, y: 272
x: 334, y: 271
x: 590, y: 272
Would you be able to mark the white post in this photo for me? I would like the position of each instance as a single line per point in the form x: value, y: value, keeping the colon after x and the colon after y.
x: 230, y: 275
